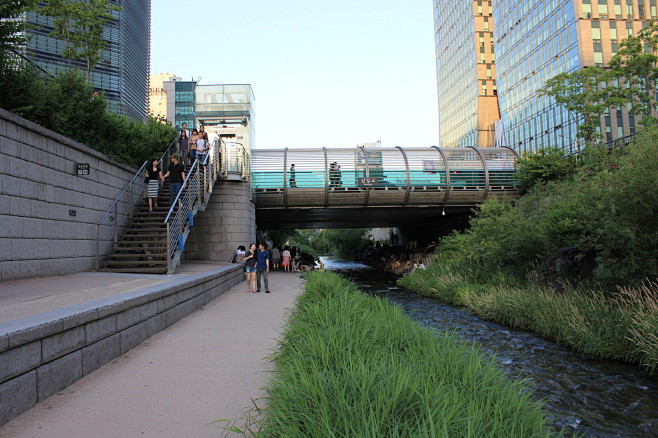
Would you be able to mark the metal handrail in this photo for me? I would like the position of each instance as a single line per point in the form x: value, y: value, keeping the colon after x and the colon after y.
x: 117, y: 217
x: 194, y: 195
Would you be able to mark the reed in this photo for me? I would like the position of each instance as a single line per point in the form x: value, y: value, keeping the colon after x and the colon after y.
x: 351, y: 365
x: 621, y: 326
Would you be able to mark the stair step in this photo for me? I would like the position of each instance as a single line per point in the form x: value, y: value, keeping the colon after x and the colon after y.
x: 133, y: 262
x: 138, y: 242
x: 144, y: 270
x: 158, y: 255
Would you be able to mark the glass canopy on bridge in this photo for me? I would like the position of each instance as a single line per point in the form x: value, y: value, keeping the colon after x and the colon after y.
x: 381, y: 176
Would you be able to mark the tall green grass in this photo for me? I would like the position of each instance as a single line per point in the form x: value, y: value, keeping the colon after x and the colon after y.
x: 351, y: 365
x: 621, y: 325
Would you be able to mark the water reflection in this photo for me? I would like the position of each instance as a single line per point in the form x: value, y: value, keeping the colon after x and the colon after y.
x: 596, y: 398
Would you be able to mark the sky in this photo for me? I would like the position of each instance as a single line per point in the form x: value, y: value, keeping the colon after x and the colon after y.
x: 324, y: 74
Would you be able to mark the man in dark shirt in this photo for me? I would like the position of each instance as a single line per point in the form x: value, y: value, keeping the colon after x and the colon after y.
x: 176, y: 174
x: 262, y: 267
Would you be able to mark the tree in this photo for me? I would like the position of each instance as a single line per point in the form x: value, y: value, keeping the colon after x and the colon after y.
x: 11, y: 26
x: 79, y: 23
x: 635, y: 66
x: 580, y: 92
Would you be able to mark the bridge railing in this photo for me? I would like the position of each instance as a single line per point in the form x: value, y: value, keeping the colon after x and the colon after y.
x: 117, y: 217
x: 381, y: 176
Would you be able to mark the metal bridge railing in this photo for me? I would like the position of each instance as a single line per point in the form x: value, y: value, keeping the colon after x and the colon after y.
x: 117, y: 217
x: 381, y: 177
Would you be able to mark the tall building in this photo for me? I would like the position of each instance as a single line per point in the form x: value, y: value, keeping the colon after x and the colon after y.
x: 123, y: 72
x: 158, y: 95
x: 538, y: 39
x: 466, y: 72
x: 533, y: 41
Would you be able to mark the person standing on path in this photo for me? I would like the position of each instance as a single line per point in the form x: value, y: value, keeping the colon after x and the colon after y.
x: 276, y: 257
x: 176, y: 174
x: 262, y: 267
x: 286, y: 259
x: 250, y: 261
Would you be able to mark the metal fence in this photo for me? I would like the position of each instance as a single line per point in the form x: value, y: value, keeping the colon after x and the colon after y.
x: 115, y: 220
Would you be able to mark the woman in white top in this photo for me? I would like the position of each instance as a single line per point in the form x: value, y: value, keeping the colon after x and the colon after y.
x: 286, y: 259
x: 201, y: 149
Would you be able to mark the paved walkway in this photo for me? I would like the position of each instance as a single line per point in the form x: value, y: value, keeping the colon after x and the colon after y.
x: 208, y: 366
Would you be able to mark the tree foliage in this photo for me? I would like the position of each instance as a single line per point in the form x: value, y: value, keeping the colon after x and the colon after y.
x: 630, y: 79
x: 580, y: 93
x: 547, y: 164
x: 606, y: 207
x: 11, y: 26
x: 64, y: 105
x: 80, y: 25
x: 635, y: 66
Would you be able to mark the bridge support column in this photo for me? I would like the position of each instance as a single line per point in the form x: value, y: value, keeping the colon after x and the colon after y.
x: 228, y: 221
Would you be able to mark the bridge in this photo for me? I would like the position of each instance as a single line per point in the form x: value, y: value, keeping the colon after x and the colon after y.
x: 372, y: 187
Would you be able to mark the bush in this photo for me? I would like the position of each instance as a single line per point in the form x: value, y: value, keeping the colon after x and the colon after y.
x: 606, y: 209
x: 547, y: 164
x: 64, y: 104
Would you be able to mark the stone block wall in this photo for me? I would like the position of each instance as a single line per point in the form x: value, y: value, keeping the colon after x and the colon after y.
x: 228, y: 221
x: 48, y: 214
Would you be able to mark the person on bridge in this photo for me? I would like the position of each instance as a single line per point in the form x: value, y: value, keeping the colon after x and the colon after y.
x: 250, y: 261
x: 292, y: 180
x: 262, y: 267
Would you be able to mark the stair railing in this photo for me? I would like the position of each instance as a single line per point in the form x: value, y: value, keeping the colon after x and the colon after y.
x: 193, y: 196
x: 117, y: 217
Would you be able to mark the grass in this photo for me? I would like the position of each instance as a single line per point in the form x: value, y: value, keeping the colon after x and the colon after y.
x: 621, y: 325
x: 351, y: 365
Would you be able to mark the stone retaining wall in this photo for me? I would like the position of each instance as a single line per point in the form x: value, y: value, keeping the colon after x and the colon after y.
x: 48, y: 214
x: 228, y: 221
x: 43, y: 354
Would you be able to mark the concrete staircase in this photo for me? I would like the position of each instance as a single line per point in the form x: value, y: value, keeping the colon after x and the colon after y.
x: 143, y: 246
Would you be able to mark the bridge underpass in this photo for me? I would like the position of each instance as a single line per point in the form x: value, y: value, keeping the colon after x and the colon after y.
x: 376, y: 187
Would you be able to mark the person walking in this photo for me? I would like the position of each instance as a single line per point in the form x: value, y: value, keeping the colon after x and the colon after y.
x: 286, y: 259
x: 276, y: 257
x: 192, y: 145
x: 153, y: 179
x: 201, y: 148
x: 239, y: 254
x: 183, y: 146
x: 262, y: 267
x: 250, y: 261
x: 176, y: 175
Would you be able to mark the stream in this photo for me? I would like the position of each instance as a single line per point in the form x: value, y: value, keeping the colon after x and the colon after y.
x: 593, y: 398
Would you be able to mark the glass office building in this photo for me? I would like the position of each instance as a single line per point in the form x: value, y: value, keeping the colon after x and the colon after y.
x: 538, y: 39
x: 122, y: 74
x: 466, y: 72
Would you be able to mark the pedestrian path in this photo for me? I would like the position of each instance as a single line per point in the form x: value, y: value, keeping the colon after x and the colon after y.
x: 211, y: 365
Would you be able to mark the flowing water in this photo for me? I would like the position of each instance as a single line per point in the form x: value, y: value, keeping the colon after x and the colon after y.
x: 594, y: 398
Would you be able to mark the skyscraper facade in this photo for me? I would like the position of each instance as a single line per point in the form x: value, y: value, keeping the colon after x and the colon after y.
x: 466, y: 72
x: 122, y: 74
x: 533, y: 41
